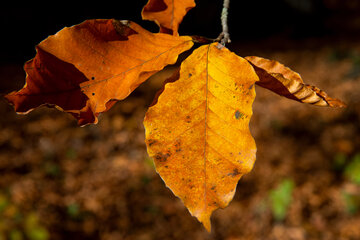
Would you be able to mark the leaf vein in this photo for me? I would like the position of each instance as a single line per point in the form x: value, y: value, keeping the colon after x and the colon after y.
x: 179, y: 135
x: 226, y: 159
x: 130, y: 69
x: 226, y: 122
x: 227, y: 140
x: 220, y: 70
x: 222, y: 101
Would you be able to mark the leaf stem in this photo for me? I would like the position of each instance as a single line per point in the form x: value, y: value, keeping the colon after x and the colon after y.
x: 224, y: 35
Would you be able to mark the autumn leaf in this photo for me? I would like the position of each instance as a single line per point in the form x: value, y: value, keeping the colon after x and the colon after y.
x: 285, y: 82
x: 83, y: 69
x: 168, y: 14
x: 198, y: 130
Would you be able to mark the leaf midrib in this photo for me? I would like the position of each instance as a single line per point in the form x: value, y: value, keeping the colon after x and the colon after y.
x: 205, y: 123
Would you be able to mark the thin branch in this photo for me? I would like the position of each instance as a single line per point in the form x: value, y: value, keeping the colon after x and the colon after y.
x: 225, y: 36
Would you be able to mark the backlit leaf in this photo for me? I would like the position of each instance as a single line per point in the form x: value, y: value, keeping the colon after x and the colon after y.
x: 168, y: 14
x: 285, y: 82
x: 198, y: 130
x: 83, y: 69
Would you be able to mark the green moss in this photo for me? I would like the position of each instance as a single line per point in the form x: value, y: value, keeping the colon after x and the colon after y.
x: 73, y: 210
x: 351, y: 202
x: 281, y: 198
x: 352, y: 170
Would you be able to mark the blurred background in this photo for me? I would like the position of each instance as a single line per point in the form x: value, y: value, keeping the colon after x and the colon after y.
x: 60, y: 181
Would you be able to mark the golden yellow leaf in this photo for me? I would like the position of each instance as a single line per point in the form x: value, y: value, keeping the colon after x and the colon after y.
x: 285, y: 82
x: 168, y: 14
x: 198, y: 130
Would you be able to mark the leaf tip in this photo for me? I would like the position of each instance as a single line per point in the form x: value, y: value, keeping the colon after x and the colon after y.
x: 207, y: 226
x: 7, y: 97
x: 337, y: 103
x: 205, y: 220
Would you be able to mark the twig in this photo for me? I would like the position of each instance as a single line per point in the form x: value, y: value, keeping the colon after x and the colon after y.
x: 225, y: 36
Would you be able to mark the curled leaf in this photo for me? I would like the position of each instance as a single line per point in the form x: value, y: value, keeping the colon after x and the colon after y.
x: 83, y: 69
x: 285, y: 82
x: 198, y: 130
x: 168, y: 14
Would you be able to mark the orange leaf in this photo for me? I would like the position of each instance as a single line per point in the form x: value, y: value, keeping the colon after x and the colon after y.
x: 84, y: 68
x: 285, y: 82
x: 198, y: 130
x: 168, y: 14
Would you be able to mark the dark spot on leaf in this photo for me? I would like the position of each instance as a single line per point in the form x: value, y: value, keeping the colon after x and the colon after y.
x: 166, y: 166
x: 188, y: 119
x: 252, y: 85
x: 160, y: 157
x: 213, y: 187
x: 92, y: 78
x: 151, y: 142
x: 238, y: 114
x: 234, y: 173
x: 178, y: 146
x: 93, y: 94
x: 190, y: 74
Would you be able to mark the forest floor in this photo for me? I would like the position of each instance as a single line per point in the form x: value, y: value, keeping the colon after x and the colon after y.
x: 61, y: 181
